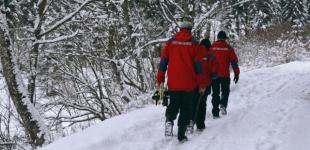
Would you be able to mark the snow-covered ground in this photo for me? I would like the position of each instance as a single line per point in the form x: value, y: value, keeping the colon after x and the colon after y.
x: 269, y: 109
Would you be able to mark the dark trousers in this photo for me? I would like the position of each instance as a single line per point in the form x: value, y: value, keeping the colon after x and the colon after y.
x: 200, y: 113
x: 180, y: 101
x: 220, y: 85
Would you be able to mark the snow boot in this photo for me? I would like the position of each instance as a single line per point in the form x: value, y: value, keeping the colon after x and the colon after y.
x: 169, y: 128
x: 181, y: 134
x: 190, y: 127
x: 223, y: 110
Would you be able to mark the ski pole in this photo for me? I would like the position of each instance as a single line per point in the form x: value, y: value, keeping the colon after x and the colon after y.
x: 161, y: 93
x: 197, y: 108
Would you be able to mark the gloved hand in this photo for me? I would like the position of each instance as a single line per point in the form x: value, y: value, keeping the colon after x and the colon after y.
x: 166, y: 98
x: 236, y: 79
x: 214, y: 75
x: 202, y: 91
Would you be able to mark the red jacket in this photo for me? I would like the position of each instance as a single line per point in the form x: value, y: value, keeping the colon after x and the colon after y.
x: 208, y: 61
x: 225, y: 55
x: 181, y: 58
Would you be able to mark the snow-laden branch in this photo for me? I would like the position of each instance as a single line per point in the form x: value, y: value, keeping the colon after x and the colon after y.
x: 214, y: 11
x: 165, y: 13
x: 168, y: 11
x: 48, y: 5
x: 154, y: 42
x: 177, y: 5
x: 4, y: 25
x: 72, y: 121
x: 231, y: 6
x: 83, y: 53
x: 68, y: 117
x: 40, y: 9
x: 57, y: 39
x: 244, y: 1
x: 40, y: 2
x: 81, y: 107
x: 140, y: 49
x: 65, y: 19
x: 206, y: 15
x: 25, y: 39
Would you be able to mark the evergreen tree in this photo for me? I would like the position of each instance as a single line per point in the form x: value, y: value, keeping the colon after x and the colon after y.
x: 277, y: 11
x: 236, y: 19
x: 260, y: 13
x: 296, y: 12
x: 308, y: 10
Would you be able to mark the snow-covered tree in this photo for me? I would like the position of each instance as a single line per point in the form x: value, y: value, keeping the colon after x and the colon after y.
x: 31, y: 119
x: 260, y: 13
x: 23, y: 33
x: 295, y: 11
x: 237, y: 18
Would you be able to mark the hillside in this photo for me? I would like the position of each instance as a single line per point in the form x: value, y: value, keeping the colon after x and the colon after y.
x: 268, y: 110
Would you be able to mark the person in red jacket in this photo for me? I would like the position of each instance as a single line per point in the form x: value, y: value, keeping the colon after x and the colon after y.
x: 180, y: 58
x: 207, y: 60
x: 225, y: 56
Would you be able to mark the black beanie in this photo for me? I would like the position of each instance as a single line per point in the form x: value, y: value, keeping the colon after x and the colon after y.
x: 206, y: 43
x: 222, y: 35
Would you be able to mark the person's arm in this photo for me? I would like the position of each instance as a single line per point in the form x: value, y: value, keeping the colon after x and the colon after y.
x: 202, y: 80
x: 162, y: 67
x: 211, y: 69
x: 214, y: 63
x: 234, y: 64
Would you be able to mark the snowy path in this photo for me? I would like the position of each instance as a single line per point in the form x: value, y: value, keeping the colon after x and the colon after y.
x: 268, y: 110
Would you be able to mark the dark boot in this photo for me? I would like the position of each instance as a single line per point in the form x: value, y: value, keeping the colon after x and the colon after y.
x: 215, y: 112
x: 181, y: 134
x: 200, y: 126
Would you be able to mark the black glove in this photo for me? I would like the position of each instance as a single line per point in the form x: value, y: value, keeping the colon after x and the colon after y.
x: 155, y: 97
x: 166, y: 99
x: 236, y: 79
x: 214, y: 76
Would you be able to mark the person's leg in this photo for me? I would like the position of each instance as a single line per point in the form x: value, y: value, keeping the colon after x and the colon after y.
x: 186, y: 108
x: 173, y: 107
x: 225, y: 89
x: 172, y: 112
x: 190, y: 127
x: 194, y: 104
x: 225, y: 83
x: 181, y: 133
x: 201, y: 115
x: 185, y: 113
x: 215, y: 97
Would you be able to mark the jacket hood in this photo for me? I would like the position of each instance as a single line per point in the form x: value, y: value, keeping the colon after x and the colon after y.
x: 184, y: 35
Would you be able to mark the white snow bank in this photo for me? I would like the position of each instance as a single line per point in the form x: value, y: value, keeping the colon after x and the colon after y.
x: 268, y: 110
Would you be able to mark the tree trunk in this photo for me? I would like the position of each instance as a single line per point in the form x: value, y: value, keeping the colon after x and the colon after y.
x: 31, y: 126
x: 111, y: 53
x: 125, y: 7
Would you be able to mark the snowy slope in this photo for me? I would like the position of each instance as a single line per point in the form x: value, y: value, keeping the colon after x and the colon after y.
x: 268, y: 110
